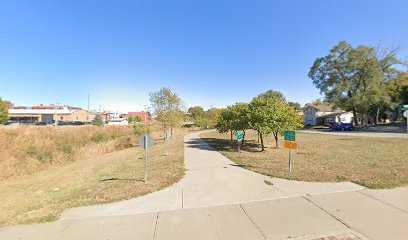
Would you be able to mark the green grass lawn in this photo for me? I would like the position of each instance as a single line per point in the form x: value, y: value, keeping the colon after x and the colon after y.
x: 371, y: 162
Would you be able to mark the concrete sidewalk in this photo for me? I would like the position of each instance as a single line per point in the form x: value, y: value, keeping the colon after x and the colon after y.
x: 211, y: 179
x: 347, y: 215
x: 218, y: 200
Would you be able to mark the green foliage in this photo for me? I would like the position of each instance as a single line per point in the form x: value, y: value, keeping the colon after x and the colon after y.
x: 233, y: 118
x: 196, y: 112
x: 355, y: 78
x: 140, y: 129
x: 212, y: 115
x: 97, y: 120
x: 99, y: 137
x: 295, y: 105
x: 137, y: 119
x: 202, y: 122
x: 167, y: 107
x: 271, y: 94
x: 272, y: 116
x: 3, y: 111
x: 397, y: 89
x: 267, y: 114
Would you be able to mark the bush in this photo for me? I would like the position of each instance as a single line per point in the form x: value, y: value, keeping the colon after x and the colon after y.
x: 140, y: 129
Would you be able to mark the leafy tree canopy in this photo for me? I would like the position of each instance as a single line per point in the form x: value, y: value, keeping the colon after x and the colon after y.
x: 4, y: 111
x: 167, y: 108
x: 196, y: 112
x: 353, y: 78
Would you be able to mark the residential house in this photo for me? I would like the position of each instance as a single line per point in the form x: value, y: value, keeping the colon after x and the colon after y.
x: 325, y: 115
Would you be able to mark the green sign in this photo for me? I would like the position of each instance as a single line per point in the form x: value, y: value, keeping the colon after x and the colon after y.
x: 239, y: 135
x: 289, y: 136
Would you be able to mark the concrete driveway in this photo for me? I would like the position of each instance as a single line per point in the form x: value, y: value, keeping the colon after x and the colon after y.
x: 218, y: 200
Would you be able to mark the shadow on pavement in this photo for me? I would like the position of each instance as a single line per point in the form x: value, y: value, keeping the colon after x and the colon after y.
x: 120, y: 179
x: 199, y: 144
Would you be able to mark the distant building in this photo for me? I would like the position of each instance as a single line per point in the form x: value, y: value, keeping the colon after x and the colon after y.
x: 324, y: 115
x: 145, y: 116
x: 106, y: 116
x: 118, y: 121
x: 47, y: 113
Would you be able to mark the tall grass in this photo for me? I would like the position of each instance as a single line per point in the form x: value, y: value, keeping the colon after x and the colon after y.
x: 25, y: 150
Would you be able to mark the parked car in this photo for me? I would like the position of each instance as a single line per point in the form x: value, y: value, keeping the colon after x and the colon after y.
x: 342, y: 127
x: 9, y: 122
x: 40, y: 124
x: 61, y: 123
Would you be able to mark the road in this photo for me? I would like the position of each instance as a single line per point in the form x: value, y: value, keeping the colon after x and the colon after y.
x: 358, y: 133
x: 218, y: 200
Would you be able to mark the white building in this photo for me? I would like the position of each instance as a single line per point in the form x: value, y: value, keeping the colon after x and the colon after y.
x: 325, y: 115
x: 118, y: 121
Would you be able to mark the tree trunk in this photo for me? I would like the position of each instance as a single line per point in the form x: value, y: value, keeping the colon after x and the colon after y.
x: 355, y: 116
x: 377, y: 116
x: 231, y: 136
x: 171, y: 131
x: 275, y: 135
x: 258, y: 137
x: 262, y: 142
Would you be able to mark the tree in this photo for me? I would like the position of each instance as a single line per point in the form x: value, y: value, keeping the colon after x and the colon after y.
x: 137, y: 119
x: 212, y: 115
x: 295, y: 105
x: 271, y: 94
x: 201, y: 122
x: 167, y: 108
x: 234, y: 118
x: 131, y: 119
x: 196, y: 112
x: 397, y: 89
x: 272, y: 116
x: 225, y: 122
x: 3, y: 111
x: 97, y: 120
x: 352, y: 77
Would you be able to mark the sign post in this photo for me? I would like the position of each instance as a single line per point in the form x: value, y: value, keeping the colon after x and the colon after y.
x: 290, y: 142
x: 406, y: 116
x: 167, y: 136
x: 239, y: 136
x: 145, y: 142
x: 405, y: 113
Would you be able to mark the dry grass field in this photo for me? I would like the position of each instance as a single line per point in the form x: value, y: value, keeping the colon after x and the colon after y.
x: 26, y: 150
x: 93, y: 172
x: 372, y: 162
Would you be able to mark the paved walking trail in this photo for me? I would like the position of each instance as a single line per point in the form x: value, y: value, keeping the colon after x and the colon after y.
x: 218, y: 200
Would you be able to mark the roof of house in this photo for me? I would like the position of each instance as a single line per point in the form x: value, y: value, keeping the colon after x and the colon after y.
x: 42, y: 111
x: 322, y: 108
x: 332, y: 114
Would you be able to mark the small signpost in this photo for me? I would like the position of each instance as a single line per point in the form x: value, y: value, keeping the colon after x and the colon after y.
x: 145, y: 142
x: 405, y: 113
x: 239, y: 136
x: 290, y: 142
x: 167, y: 136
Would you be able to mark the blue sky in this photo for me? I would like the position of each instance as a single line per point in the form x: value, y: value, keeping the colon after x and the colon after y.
x: 212, y: 53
